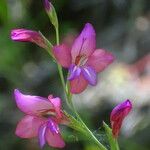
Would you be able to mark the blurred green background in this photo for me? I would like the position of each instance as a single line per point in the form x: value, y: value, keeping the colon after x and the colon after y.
x: 122, y: 27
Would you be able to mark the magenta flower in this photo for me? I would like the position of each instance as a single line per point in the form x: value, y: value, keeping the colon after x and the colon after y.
x: 117, y: 116
x: 24, y: 35
x: 42, y: 118
x: 82, y: 60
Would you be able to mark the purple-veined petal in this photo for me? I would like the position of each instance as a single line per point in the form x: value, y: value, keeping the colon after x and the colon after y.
x: 24, y: 35
x: 85, y: 43
x: 117, y: 116
x: 28, y: 126
x: 74, y: 72
x: 100, y: 59
x: 56, y: 102
x: 41, y: 135
x: 62, y: 54
x: 78, y: 85
x: 90, y: 75
x: 53, y: 136
x: 31, y: 105
x: 53, y: 126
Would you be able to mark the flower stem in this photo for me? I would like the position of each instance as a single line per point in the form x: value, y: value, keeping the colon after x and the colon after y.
x: 61, y: 71
x: 57, y: 35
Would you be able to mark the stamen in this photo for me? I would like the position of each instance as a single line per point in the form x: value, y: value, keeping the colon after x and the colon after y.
x: 77, y: 59
x: 47, y: 113
x: 80, y: 60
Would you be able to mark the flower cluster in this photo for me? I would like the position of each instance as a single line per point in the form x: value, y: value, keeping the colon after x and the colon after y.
x: 83, y: 61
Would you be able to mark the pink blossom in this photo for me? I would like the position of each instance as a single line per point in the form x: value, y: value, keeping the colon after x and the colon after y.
x: 42, y: 118
x: 24, y: 35
x: 117, y: 116
x: 83, y: 60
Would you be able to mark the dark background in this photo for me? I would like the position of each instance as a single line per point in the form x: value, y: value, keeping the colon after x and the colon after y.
x: 122, y: 27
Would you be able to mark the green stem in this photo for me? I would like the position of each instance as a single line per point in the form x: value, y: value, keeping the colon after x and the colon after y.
x: 60, y: 69
x: 62, y: 77
x: 57, y: 35
x: 58, y: 65
x: 65, y: 85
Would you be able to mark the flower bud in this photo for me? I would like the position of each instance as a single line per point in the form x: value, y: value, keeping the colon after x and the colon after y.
x: 47, y: 5
x: 51, y: 12
x: 117, y: 116
x: 23, y: 35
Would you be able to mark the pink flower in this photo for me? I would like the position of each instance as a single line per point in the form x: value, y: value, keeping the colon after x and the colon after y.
x: 82, y: 60
x: 117, y: 116
x: 24, y: 35
x: 42, y: 118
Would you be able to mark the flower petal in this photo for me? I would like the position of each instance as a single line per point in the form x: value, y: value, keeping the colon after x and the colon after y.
x: 74, y: 71
x: 28, y: 126
x: 118, y: 114
x: 41, y: 135
x: 53, y: 126
x: 78, y: 85
x: 100, y: 59
x: 85, y: 43
x: 24, y: 35
x: 62, y: 54
x: 90, y: 75
x: 31, y: 105
x: 56, y: 102
x: 53, y: 136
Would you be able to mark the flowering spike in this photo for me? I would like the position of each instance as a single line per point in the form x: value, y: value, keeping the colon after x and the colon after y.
x: 24, y: 35
x: 117, y: 116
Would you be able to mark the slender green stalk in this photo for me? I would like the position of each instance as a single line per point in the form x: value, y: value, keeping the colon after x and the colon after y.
x: 62, y: 77
x: 59, y: 66
x: 57, y: 35
x: 61, y: 71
